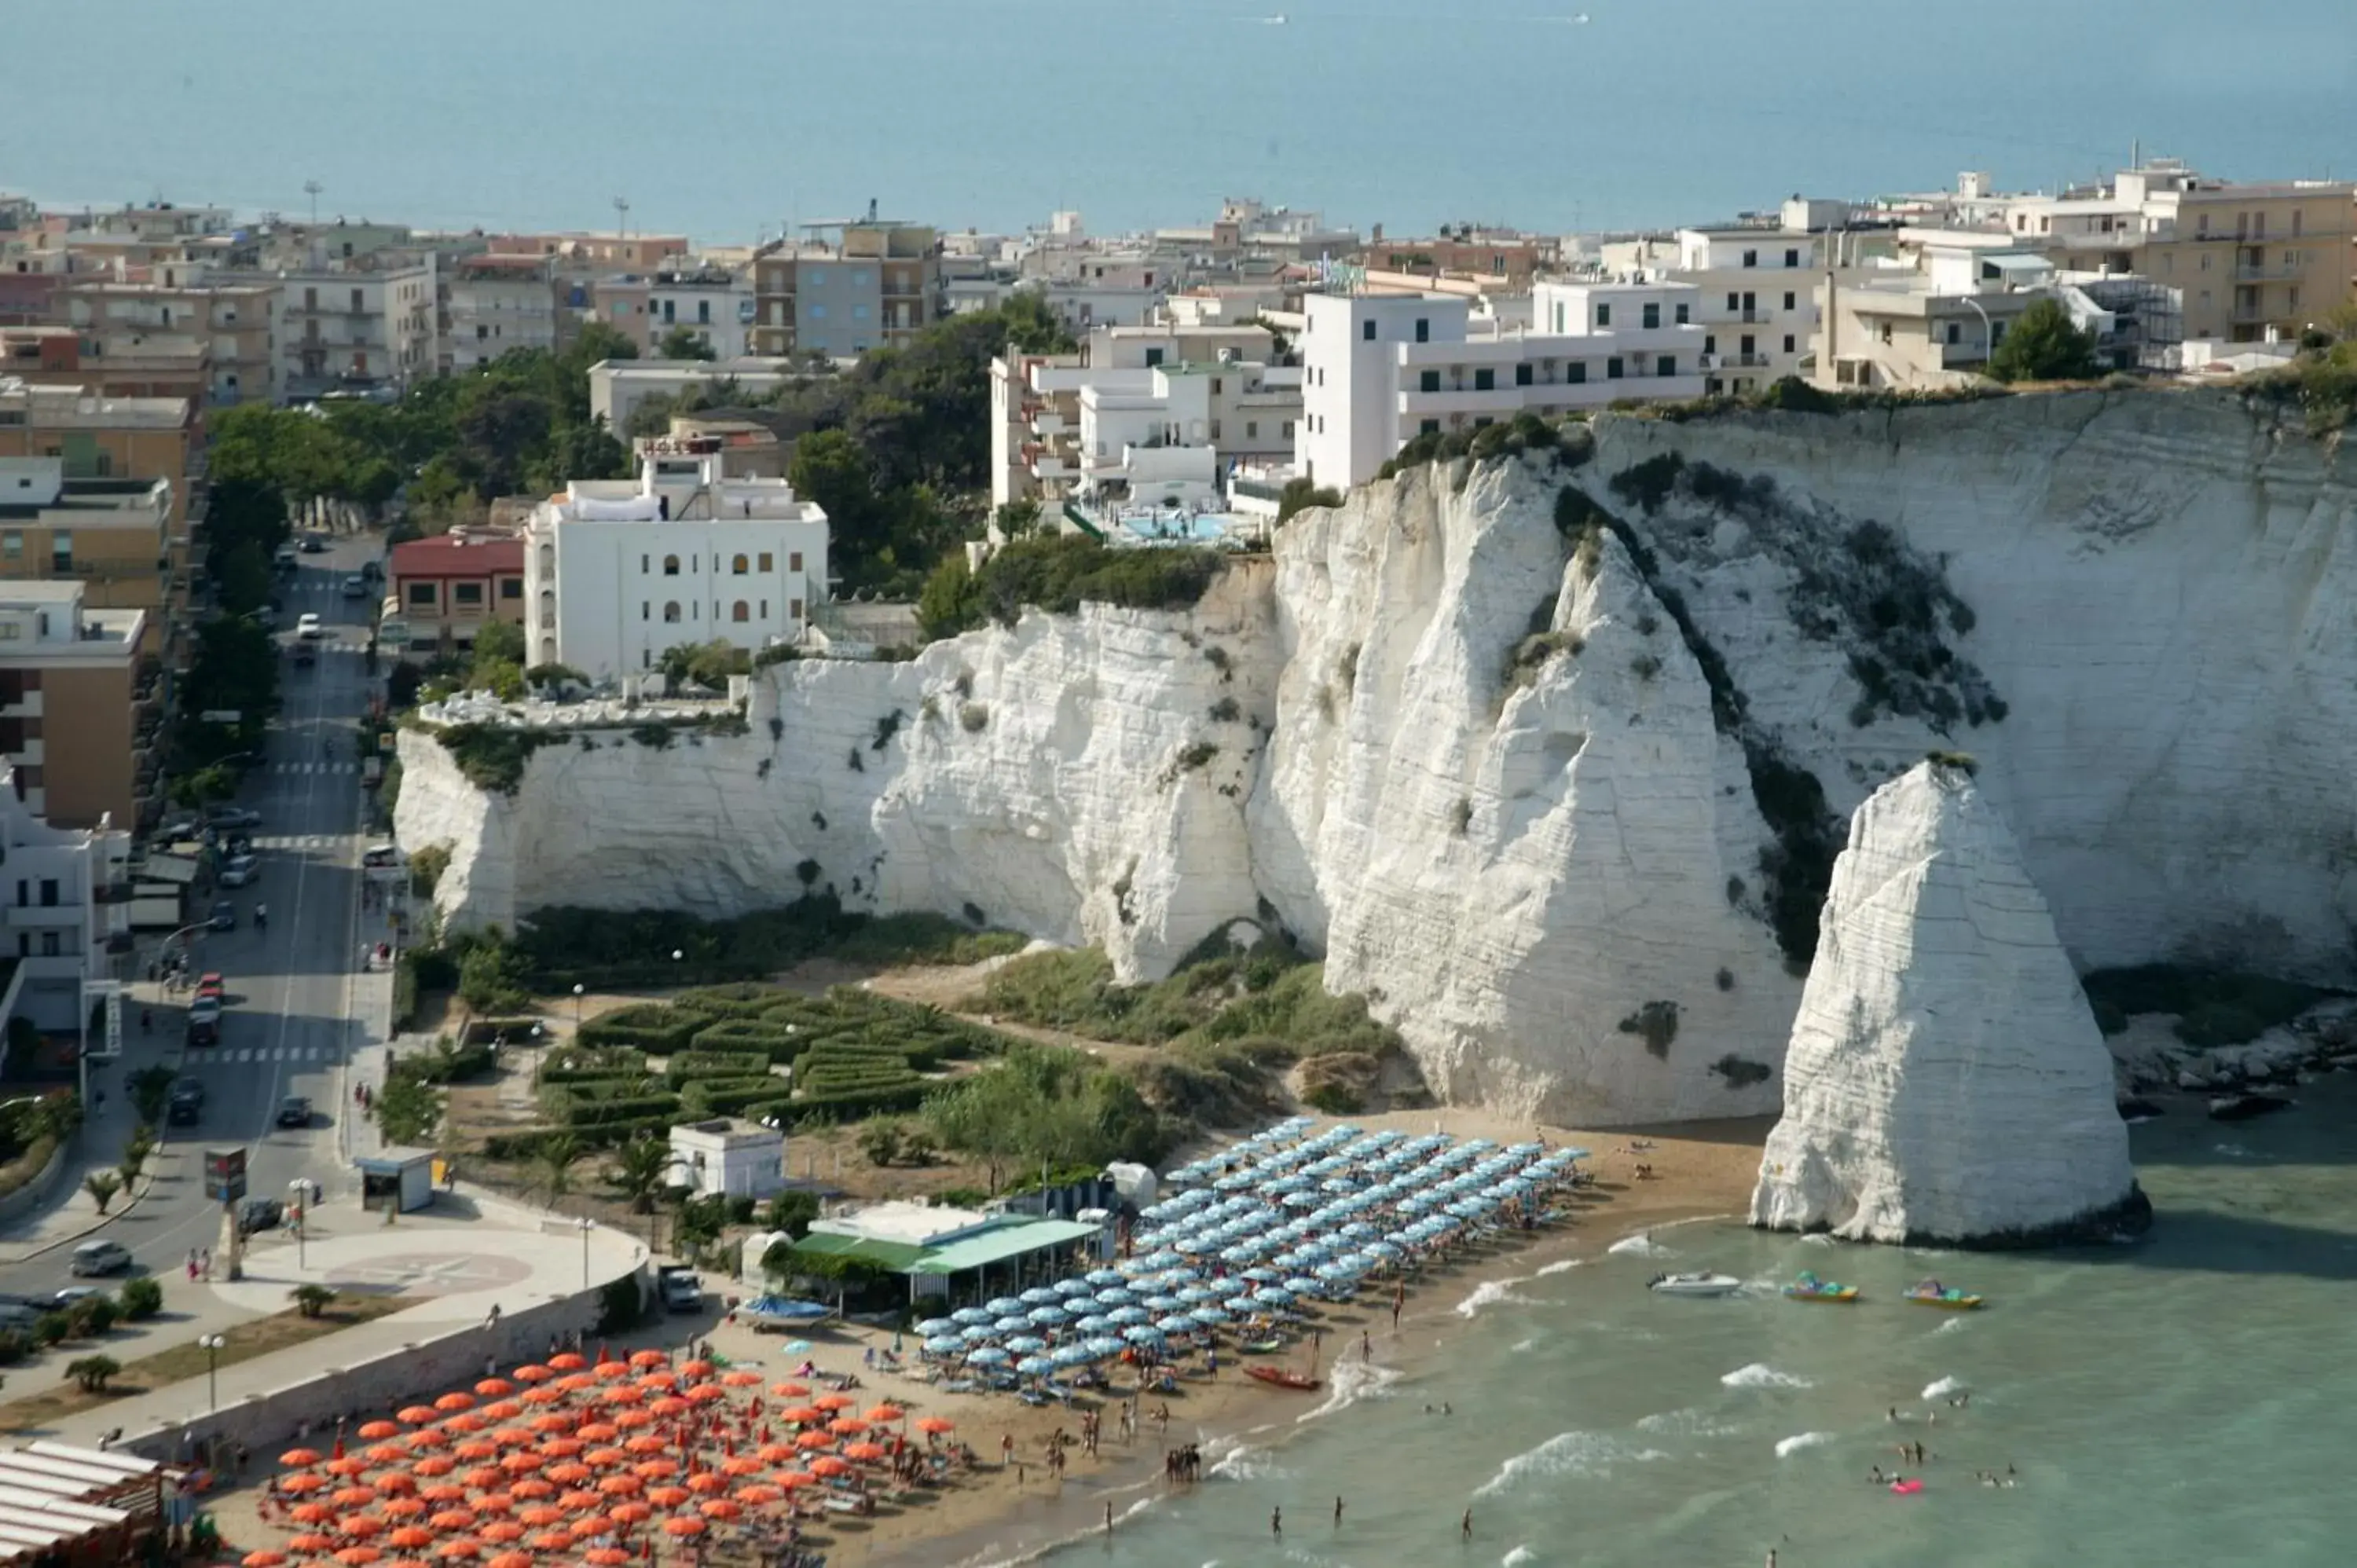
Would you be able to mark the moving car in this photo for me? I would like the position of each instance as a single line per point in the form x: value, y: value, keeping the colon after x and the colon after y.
x: 223, y: 915
x: 94, y: 1258
x: 284, y: 558
x: 210, y: 983
x: 308, y: 626
x: 356, y: 586
x: 378, y: 855
x: 315, y: 544
x: 682, y: 1290
x: 295, y: 1111
x: 206, y: 1010
x: 224, y: 818
x: 187, y: 1105
x: 258, y: 1214
x: 204, y: 1031
x: 241, y: 870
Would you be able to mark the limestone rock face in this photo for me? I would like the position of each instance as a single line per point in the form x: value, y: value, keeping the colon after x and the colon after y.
x: 1497, y: 801
x: 1945, y: 1080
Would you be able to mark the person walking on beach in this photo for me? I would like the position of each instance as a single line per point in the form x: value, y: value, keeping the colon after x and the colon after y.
x: 1108, y: 1517
x: 1338, y: 1513
x: 1465, y: 1526
x: 1277, y: 1522
x: 1366, y: 1346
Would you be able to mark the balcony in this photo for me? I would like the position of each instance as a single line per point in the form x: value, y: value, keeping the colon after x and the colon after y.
x: 2278, y: 272
x: 1455, y: 399
x: 51, y: 966
x: 23, y: 917
x: 1750, y: 313
x: 24, y: 706
x: 2252, y: 310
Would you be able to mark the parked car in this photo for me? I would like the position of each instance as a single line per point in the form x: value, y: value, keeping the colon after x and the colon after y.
x: 681, y: 1288
x: 223, y: 915
x: 372, y: 569
x: 308, y: 626
x: 187, y: 1105
x: 258, y: 1214
x: 378, y: 855
x: 223, y: 818
x: 95, y: 1258
x: 315, y: 544
x: 284, y: 558
x: 295, y: 1111
x: 356, y: 586
x: 206, y: 1010
x: 239, y: 871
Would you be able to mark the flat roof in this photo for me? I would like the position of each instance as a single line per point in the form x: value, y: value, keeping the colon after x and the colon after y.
x: 1001, y: 1242
x: 899, y: 1257
x: 449, y: 555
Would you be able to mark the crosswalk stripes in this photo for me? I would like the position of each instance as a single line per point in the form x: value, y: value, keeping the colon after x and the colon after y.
x: 315, y: 768
x: 295, y: 841
x: 262, y: 1056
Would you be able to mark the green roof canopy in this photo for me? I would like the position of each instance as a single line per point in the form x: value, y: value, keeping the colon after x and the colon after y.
x: 1001, y: 1244
x: 898, y: 1256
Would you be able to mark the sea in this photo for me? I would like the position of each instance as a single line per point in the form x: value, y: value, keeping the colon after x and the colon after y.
x: 730, y: 119
x: 2186, y: 1399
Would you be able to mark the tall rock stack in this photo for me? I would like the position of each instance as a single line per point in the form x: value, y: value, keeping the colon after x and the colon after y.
x: 1945, y: 1082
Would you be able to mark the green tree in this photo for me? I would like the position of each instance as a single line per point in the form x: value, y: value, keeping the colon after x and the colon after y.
x: 2042, y: 346
x: 1017, y: 519
x: 311, y: 1300
x: 879, y: 1140
x: 244, y: 579
x: 151, y: 1092
x: 638, y: 1170
x: 1298, y: 493
x: 408, y: 1109
x: 92, y: 1372
x: 102, y: 1186
x: 793, y: 1212
x: 141, y: 1299
x: 554, y: 1161
x: 681, y: 343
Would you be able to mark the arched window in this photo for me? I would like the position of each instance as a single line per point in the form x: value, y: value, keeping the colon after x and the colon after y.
x: 740, y: 610
x: 547, y: 560
x: 548, y: 650
x: 670, y: 609
x: 740, y: 566
x: 671, y: 569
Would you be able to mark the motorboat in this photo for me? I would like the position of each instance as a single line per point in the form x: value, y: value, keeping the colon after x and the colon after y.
x: 1808, y: 1287
x: 1694, y: 1284
x: 1931, y: 1293
x: 1279, y: 1377
x: 1267, y: 1346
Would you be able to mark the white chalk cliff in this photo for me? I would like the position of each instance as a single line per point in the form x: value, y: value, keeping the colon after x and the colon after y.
x: 1945, y: 1080
x: 2135, y: 609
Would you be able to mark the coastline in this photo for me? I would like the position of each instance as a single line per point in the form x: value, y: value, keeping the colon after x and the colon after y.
x: 1703, y: 1171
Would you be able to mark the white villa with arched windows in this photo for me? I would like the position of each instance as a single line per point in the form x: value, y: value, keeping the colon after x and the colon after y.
x: 618, y: 570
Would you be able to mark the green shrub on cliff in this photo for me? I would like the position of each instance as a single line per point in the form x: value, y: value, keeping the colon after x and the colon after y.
x: 1059, y: 575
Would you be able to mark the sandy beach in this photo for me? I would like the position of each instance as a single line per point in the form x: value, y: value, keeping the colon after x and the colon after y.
x: 1001, y: 1511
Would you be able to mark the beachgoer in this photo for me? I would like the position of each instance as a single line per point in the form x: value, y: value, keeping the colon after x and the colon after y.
x: 1465, y: 1526
x: 1366, y: 1346
x: 1108, y: 1519
x: 1338, y: 1513
x: 1277, y: 1520
x: 1445, y: 1408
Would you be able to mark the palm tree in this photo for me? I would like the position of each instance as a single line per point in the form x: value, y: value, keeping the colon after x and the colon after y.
x: 555, y: 1160
x: 103, y: 1185
x: 311, y: 1300
x: 640, y: 1170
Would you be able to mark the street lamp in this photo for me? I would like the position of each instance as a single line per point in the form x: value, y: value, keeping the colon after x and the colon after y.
x: 298, y: 1191
x: 585, y: 1225
x: 577, y: 1009
x: 1988, y: 332
x: 212, y: 1344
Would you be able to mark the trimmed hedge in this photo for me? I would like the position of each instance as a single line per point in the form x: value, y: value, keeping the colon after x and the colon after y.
x: 632, y: 1108
x: 655, y: 1027
x: 699, y: 1067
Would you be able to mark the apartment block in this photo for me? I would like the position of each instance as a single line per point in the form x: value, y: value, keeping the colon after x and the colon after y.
x: 230, y: 322
x: 1755, y: 295
x: 80, y: 704
x: 65, y: 893
x: 715, y: 306
x: 109, y: 458
x: 367, y: 330
x: 2251, y: 260
x: 617, y: 387
x: 494, y: 303
x: 879, y: 285
x: 1379, y: 370
x: 618, y: 570
x: 444, y: 588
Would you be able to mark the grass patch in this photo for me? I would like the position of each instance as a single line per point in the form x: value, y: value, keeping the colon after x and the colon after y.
x: 607, y: 949
x: 492, y: 759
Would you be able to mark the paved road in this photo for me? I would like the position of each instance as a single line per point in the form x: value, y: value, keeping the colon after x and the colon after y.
x: 290, y: 1027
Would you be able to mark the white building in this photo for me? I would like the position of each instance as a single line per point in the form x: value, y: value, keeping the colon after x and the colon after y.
x: 1379, y: 370
x: 617, y: 387
x: 1755, y: 296
x: 724, y: 1158
x: 1169, y: 439
x: 366, y: 329
x: 714, y: 303
x: 61, y: 887
x: 618, y: 570
x: 1036, y: 402
x: 495, y: 304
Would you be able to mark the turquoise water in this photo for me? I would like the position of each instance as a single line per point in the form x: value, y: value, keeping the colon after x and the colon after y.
x: 725, y: 116
x: 2186, y: 1399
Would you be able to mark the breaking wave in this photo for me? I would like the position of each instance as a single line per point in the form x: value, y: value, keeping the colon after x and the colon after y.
x: 1567, y: 1453
x: 1760, y: 1375
x: 1801, y: 1442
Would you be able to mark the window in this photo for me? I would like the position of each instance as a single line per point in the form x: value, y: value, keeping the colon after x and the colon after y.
x: 740, y: 611
x: 1750, y: 345
x: 1789, y: 299
x: 671, y: 569
x: 1523, y: 375
x: 815, y: 312
x: 645, y: 610
x: 421, y: 596
x: 670, y: 611
x: 1682, y: 311
x: 1578, y: 371
x: 1653, y: 315
x: 1788, y: 343
x: 1153, y: 358
x: 467, y: 593
x: 61, y: 551
x: 1288, y: 432
x: 1955, y: 333
x: 1367, y: 330
x: 49, y: 892
x: 1424, y: 330
x: 1612, y: 369
x: 1429, y: 427
x: 1604, y: 315
x: 1750, y: 258
x: 793, y: 609
x: 642, y: 565
x: 1215, y: 430
x: 793, y: 560
x: 765, y: 609
x: 2299, y: 217
x: 860, y: 313
x: 2293, y: 292
x: 1251, y: 429
x: 1665, y: 364
x: 511, y: 587
x: 12, y: 544
x: 739, y: 566
x: 1485, y: 379
x: 50, y: 945
x: 1792, y: 258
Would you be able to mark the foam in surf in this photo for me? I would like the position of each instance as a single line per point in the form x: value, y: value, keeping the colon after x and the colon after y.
x: 1942, y: 1388
x: 1517, y: 1558
x: 1349, y: 1381
x: 1760, y: 1375
x: 1564, y: 1265
x: 1587, y: 1454
x: 1638, y: 1246
x: 1488, y: 1295
x: 1801, y: 1442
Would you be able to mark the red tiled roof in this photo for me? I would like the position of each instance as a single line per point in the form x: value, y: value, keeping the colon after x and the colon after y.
x: 445, y: 555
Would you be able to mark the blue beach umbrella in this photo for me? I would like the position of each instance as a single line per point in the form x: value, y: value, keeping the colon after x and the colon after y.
x: 932, y: 1326
x: 944, y: 1345
x: 1034, y: 1366
x: 988, y: 1356
x: 1002, y: 1307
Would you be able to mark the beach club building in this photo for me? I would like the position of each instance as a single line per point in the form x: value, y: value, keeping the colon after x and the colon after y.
x: 952, y: 1253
